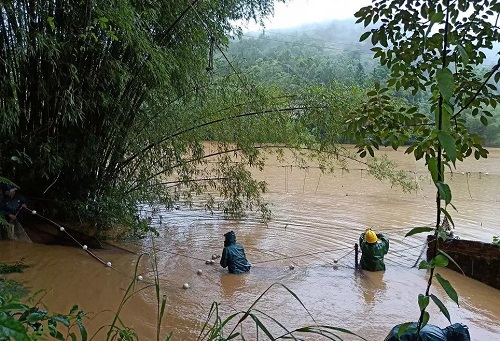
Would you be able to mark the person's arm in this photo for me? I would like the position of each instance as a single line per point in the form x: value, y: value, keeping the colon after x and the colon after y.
x: 385, y: 242
x: 361, y: 239
x: 223, y: 259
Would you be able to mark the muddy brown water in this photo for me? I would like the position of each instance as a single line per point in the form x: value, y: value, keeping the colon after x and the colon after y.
x: 317, y: 218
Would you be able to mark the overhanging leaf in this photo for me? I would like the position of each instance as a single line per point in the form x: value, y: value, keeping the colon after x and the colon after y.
x: 448, y: 144
x: 463, y: 55
x: 424, y: 265
x: 441, y: 307
x: 403, y: 327
x: 445, y: 82
x: 433, y: 168
x: 417, y: 230
x: 451, y: 259
x: 437, y: 17
x: 448, y: 288
x: 444, y: 192
x: 438, y: 261
x: 423, y: 301
x: 11, y: 328
x: 445, y: 212
x: 425, y: 319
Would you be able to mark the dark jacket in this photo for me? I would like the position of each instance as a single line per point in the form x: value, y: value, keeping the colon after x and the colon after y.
x: 455, y: 332
x: 233, y: 255
x: 372, y: 255
x: 10, y: 205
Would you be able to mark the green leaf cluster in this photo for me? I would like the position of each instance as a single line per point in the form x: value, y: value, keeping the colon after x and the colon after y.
x: 432, y: 47
x: 107, y: 105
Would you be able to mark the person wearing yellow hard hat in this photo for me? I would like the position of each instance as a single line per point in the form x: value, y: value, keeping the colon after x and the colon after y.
x: 374, y: 246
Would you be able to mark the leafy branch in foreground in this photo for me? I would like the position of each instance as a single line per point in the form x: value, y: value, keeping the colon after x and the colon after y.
x: 430, y: 47
x: 26, y: 322
x: 215, y: 327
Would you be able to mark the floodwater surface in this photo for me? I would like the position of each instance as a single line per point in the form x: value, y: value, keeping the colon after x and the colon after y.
x: 307, y: 248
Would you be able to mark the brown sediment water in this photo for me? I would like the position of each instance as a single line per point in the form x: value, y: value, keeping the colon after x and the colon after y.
x: 317, y: 218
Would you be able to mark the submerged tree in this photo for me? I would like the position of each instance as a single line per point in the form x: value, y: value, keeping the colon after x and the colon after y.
x: 431, y: 46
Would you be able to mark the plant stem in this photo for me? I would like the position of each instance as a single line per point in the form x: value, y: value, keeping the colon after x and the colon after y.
x: 440, y: 176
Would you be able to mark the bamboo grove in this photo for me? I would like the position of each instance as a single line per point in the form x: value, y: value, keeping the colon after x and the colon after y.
x: 108, y: 103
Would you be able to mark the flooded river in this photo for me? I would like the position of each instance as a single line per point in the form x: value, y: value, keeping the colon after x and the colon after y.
x: 317, y: 218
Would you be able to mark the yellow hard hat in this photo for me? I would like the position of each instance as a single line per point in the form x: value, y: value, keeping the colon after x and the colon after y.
x: 370, y: 236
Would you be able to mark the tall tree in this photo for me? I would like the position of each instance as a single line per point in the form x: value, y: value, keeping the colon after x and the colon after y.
x: 431, y: 46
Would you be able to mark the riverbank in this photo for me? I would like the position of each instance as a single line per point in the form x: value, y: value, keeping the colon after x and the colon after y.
x: 474, y: 259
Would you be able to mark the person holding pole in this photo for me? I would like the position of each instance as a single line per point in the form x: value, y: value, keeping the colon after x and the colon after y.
x: 374, y: 246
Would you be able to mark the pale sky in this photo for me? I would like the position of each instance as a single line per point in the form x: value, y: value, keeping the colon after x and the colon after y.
x: 298, y: 12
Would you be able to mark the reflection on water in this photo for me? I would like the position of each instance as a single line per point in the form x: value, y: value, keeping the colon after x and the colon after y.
x: 307, y: 247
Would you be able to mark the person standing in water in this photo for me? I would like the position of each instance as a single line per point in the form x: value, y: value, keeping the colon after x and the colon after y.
x: 233, y: 255
x: 374, y: 246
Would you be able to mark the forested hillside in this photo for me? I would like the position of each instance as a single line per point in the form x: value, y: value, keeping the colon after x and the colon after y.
x: 319, y: 54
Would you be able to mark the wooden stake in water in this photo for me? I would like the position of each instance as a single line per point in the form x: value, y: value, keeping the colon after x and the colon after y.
x: 356, y: 253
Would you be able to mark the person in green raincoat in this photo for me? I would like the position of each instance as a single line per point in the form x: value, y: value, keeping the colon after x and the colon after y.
x: 233, y: 255
x: 373, y: 248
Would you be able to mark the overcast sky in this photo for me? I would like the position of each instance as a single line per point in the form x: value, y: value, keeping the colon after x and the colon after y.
x: 298, y: 12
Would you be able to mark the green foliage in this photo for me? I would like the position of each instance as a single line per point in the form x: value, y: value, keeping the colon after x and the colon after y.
x: 10, y: 288
x: 96, y: 100
x: 117, y: 105
x: 23, y: 322
x: 431, y: 47
x: 417, y: 230
x: 17, y: 267
x: 496, y: 240
x: 217, y: 328
x: 295, y: 59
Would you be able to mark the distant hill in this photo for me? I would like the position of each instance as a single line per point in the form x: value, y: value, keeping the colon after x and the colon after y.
x: 313, y: 53
x: 316, y: 54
